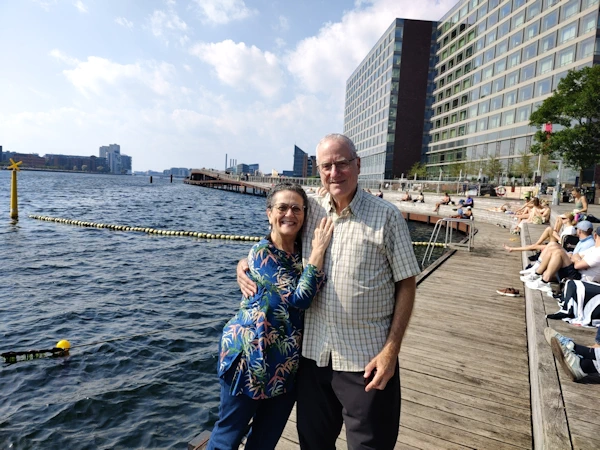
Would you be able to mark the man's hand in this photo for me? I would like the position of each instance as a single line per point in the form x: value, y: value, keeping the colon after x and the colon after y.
x: 383, y: 366
x: 247, y: 286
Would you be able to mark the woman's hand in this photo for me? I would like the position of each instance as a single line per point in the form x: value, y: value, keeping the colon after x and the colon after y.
x: 247, y: 286
x: 320, y: 242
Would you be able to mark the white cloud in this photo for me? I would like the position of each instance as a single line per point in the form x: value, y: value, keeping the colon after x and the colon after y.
x: 324, y: 62
x: 64, y: 57
x: 280, y: 43
x: 124, y: 22
x: 282, y: 24
x: 46, y: 4
x: 167, y: 25
x: 243, y: 67
x: 224, y: 11
x: 96, y: 74
x: 80, y: 6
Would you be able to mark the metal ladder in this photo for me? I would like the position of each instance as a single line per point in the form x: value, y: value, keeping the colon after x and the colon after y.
x: 448, y: 222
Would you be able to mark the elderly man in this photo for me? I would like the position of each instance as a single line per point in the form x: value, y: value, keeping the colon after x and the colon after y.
x: 353, y: 330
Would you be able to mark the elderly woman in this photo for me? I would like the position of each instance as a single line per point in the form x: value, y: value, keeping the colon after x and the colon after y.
x: 260, y: 345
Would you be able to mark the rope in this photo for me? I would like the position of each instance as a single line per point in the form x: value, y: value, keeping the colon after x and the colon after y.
x: 12, y: 357
x: 197, y: 234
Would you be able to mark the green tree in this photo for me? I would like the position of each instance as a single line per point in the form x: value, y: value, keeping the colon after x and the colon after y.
x: 522, y: 166
x: 418, y: 169
x: 493, y: 168
x: 456, y: 169
x: 575, y: 107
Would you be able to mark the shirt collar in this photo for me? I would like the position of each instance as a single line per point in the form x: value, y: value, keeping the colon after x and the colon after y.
x: 354, y: 206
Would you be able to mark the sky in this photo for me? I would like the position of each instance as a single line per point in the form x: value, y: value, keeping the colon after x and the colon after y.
x: 185, y: 83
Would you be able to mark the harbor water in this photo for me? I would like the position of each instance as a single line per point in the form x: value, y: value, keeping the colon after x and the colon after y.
x: 142, y: 312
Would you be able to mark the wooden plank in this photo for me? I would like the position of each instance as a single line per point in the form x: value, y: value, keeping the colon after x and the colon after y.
x: 519, y: 405
x: 425, y: 441
x: 548, y: 413
x: 472, y: 433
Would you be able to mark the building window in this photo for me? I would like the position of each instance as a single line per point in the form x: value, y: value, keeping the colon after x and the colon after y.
x: 487, y: 73
x: 488, y: 55
x: 569, y: 10
x: 549, y: 20
x: 526, y: 92
x: 500, y: 66
x: 472, y: 127
x: 543, y: 87
x: 498, y: 84
x: 486, y: 89
x: 567, y: 33
x: 532, y: 30
x: 496, y: 103
x: 482, y: 124
x: 472, y: 111
x: 484, y: 107
x: 530, y: 51
x: 548, y: 42
x: 477, y: 78
x: 557, y: 78
x: 585, y: 48
x: 546, y: 64
x: 514, y: 59
x: 508, y: 117
x: 588, y: 23
x: 517, y: 4
x: 510, y: 98
x: 504, y: 10
x: 566, y: 56
x: 587, y: 3
x: 512, y: 78
x: 518, y: 19
x: 534, y: 9
x: 492, y: 19
x: 523, y: 113
x: 516, y: 39
x: 503, y: 28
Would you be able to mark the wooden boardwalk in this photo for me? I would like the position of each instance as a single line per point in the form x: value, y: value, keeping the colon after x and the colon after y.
x: 464, y: 363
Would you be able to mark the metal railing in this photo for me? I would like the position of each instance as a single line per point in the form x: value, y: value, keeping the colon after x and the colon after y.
x: 448, y: 223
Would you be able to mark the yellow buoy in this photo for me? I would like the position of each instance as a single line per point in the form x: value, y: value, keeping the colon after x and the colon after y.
x: 63, y: 345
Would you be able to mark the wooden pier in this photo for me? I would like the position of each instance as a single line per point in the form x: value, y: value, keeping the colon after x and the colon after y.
x: 475, y: 372
x: 219, y: 180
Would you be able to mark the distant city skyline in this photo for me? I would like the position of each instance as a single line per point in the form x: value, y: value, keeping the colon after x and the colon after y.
x: 180, y: 84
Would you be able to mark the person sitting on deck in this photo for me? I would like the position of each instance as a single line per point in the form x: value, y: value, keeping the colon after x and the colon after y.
x: 419, y: 198
x: 582, y: 264
x: 581, y: 204
x: 535, y: 214
x: 405, y: 197
x: 446, y: 200
x: 469, y: 201
x: 564, y: 226
x: 577, y: 361
x: 463, y: 213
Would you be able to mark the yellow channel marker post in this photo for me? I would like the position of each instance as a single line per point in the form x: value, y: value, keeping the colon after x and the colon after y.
x: 14, y: 205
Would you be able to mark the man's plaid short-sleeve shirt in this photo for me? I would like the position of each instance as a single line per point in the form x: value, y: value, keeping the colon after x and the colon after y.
x: 371, y: 249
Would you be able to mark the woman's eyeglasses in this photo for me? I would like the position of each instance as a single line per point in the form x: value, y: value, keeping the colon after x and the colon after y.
x: 340, y: 165
x: 282, y: 208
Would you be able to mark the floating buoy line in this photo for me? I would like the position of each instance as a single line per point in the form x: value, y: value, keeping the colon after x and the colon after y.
x: 63, y: 346
x: 196, y: 234
x: 147, y: 230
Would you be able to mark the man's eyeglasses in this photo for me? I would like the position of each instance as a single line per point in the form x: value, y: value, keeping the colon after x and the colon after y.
x: 282, y: 208
x: 341, y: 165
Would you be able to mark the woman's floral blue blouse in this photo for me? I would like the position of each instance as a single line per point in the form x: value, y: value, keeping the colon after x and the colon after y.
x: 261, y: 344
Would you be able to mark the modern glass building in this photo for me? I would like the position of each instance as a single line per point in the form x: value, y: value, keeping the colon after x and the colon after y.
x: 300, y: 162
x: 496, y: 62
x: 388, y: 98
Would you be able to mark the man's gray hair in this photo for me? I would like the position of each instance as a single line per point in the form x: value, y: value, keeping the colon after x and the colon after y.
x: 339, y: 137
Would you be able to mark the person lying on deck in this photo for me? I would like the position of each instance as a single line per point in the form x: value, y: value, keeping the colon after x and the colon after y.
x: 564, y: 225
x: 577, y: 361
